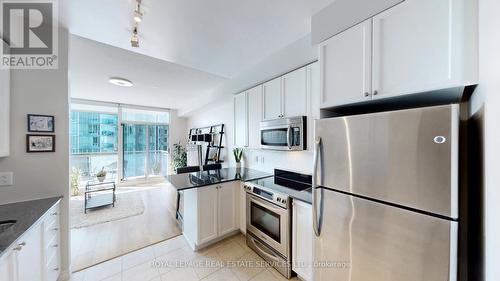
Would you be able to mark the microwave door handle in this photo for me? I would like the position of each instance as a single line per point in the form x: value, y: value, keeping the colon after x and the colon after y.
x: 316, y: 223
x: 288, y: 137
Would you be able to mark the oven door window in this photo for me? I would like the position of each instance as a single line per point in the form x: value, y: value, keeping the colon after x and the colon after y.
x: 266, y: 221
x: 274, y: 137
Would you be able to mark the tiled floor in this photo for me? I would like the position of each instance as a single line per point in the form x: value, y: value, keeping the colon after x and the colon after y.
x: 173, y: 260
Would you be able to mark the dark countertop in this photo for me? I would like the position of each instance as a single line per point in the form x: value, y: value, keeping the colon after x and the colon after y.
x: 27, y: 214
x: 200, y: 179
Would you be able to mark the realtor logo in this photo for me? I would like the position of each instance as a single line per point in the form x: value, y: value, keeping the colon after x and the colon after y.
x: 29, y: 29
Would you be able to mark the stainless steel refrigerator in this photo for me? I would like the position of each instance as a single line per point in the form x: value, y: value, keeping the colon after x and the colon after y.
x: 385, y: 196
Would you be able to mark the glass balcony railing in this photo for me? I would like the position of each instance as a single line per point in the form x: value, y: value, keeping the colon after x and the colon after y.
x: 134, y: 164
x: 91, y: 163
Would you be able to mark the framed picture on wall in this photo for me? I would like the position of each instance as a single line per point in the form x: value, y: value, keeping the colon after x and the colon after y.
x: 41, y: 123
x: 40, y: 143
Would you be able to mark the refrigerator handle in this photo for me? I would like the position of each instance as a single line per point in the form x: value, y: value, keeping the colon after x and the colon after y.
x: 316, y: 223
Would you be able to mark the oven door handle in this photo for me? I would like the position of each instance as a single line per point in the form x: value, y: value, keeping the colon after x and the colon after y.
x: 266, y: 204
x: 289, y: 136
x: 256, y: 243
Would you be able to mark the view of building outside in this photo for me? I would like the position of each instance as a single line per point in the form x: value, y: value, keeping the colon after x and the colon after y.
x: 94, y: 143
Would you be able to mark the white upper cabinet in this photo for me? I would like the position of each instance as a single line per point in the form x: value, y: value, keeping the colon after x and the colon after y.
x: 346, y: 66
x: 295, y: 91
x: 240, y: 120
x: 272, y: 99
x: 413, y: 47
x: 420, y: 45
x: 254, y: 116
x: 4, y: 109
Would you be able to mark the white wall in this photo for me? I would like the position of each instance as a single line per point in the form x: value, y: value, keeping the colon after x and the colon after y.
x: 219, y: 113
x: 290, y: 57
x: 40, y: 175
x: 295, y: 55
x: 488, y: 96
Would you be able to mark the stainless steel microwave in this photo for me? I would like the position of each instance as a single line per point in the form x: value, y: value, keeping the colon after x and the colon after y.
x: 284, y: 134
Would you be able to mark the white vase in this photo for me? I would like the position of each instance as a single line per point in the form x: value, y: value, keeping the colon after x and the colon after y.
x: 238, y: 165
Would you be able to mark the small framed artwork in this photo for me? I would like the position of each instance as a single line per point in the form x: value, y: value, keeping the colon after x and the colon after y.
x: 41, y: 123
x: 40, y: 143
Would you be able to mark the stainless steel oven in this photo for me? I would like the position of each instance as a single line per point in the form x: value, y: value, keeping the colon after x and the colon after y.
x: 284, y: 134
x: 268, y: 227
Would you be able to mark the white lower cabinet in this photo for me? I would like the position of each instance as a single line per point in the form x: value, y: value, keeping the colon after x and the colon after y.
x: 35, y: 256
x: 211, y: 213
x: 302, y: 240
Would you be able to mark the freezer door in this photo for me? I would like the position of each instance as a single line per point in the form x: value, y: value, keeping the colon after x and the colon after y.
x: 406, y: 157
x: 365, y: 240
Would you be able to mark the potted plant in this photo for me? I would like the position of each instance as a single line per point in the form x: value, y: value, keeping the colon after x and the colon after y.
x: 101, y: 175
x: 76, y: 175
x: 238, y: 155
x: 179, y: 156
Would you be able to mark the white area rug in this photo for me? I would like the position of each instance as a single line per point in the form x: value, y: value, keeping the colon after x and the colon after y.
x: 127, y: 204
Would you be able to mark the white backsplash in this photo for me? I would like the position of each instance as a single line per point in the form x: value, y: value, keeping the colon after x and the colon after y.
x: 268, y: 160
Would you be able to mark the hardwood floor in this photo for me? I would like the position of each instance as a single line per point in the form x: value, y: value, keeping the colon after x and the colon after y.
x: 98, y: 243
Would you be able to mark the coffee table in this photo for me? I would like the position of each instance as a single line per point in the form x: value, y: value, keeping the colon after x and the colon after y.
x: 99, y: 194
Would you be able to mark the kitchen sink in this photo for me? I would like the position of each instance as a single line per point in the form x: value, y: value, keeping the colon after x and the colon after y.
x: 6, y: 225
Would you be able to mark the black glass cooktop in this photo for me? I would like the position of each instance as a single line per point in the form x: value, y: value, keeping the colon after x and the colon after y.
x: 287, y: 179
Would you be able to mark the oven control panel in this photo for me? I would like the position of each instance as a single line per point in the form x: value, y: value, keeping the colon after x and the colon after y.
x: 269, y: 195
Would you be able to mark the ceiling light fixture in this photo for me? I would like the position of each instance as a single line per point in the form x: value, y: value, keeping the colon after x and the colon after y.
x: 135, y: 39
x: 122, y: 82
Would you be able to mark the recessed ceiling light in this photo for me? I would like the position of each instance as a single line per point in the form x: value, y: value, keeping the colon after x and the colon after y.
x: 122, y: 82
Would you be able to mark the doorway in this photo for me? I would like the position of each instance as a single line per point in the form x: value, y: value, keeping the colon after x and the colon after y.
x: 145, y: 151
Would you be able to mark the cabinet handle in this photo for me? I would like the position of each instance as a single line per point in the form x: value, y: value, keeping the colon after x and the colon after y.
x: 55, y: 229
x: 18, y: 248
x: 54, y: 214
x: 22, y: 244
x: 55, y: 246
x: 375, y: 93
x: 367, y: 94
x: 56, y: 269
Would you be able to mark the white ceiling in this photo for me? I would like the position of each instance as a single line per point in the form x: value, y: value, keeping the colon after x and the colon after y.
x: 156, y: 82
x: 222, y: 37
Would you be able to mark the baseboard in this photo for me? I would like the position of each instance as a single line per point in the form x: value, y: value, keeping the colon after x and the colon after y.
x: 218, y: 239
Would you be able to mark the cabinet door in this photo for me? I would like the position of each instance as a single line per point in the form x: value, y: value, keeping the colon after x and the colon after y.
x: 346, y: 66
x: 8, y: 265
x: 240, y: 120
x: 4, y: 109
x: 302, y: 240
x: 228, y: 213
x: 272, y: 99
x: 413, y: 47
x: 295, y: 93
x: 243, y: 208
x: 254, y: 116
x: 29, y: 257
x: 207, y: 214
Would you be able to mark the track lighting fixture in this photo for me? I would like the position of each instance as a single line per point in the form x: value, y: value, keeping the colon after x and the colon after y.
x: 138, y: 13
x: 135, y: 39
